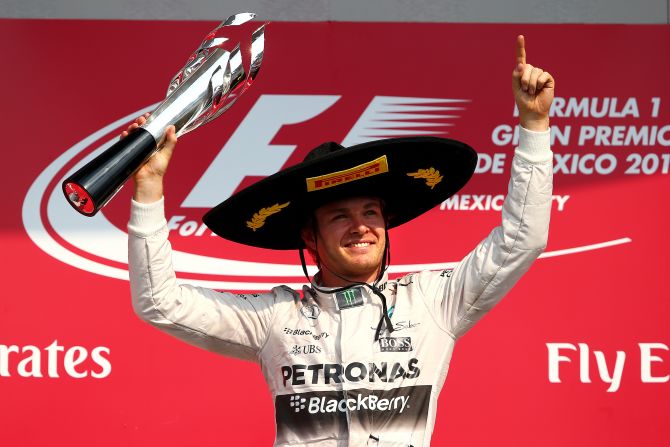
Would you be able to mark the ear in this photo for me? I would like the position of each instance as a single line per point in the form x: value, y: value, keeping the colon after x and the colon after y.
x: 308, y: 238
x: 388, y: 215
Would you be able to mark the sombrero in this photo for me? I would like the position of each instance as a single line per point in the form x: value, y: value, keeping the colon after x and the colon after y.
x: 411, y: 175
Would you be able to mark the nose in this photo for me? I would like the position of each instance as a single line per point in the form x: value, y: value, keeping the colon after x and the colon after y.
x: 358, y: 225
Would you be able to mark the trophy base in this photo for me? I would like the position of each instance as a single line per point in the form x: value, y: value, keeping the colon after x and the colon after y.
x: 92, y: 186
x: 79, y: 198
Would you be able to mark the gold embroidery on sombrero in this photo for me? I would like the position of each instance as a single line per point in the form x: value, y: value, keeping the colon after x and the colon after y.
x: 431, y: 175
x: 258, y: 219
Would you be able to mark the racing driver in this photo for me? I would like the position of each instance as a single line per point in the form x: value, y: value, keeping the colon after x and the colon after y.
x: 354, y: 359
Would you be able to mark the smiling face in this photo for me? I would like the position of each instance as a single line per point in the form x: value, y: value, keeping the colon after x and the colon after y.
x: 348, y: 240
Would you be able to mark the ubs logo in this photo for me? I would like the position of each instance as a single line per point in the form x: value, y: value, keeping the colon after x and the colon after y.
x: 306, y: 349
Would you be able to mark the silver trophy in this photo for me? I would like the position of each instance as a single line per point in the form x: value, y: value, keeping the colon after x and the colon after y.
x: 209, y: 84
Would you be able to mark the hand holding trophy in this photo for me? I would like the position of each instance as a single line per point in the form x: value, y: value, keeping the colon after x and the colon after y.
x: 209, y: 84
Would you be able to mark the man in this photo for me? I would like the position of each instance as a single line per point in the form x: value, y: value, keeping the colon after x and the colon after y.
x: 356, y: 359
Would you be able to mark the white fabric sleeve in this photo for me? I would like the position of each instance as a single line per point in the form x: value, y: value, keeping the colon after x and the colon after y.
x: 534, y: 147
x: 226, y: 323
x: 461, y: 297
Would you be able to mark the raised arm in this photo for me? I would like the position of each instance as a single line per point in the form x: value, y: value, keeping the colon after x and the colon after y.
x: 461, y: 297
x: 226, y: 323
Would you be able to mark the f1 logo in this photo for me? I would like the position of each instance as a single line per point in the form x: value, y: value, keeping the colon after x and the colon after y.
x: 257, y: 130
x: 262, y: 123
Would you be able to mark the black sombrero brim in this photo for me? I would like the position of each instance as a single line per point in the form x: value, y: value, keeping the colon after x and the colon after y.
x: 411, y: 175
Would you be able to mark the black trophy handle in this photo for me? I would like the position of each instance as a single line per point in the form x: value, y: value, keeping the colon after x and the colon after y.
x: 92, y: 186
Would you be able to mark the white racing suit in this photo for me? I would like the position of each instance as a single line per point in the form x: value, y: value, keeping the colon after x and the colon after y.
x: 332, y: 383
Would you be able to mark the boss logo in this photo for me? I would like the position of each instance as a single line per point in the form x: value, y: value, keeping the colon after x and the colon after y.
x: 395, y: 344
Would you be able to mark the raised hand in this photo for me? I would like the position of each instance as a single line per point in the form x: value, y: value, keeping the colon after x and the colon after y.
x: 149, y: 178
x: 533, y: 91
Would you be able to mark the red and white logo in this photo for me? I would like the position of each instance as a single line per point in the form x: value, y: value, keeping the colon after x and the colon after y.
x: 255, y: 149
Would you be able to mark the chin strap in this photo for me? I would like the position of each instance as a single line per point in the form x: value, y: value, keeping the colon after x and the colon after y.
x: 385, y: 317
x: 386, y: 261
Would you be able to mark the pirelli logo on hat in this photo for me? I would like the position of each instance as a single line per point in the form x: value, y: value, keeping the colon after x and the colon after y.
x: 369, y: 169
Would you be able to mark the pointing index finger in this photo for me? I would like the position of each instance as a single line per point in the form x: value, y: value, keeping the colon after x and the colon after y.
x: 520, y: 50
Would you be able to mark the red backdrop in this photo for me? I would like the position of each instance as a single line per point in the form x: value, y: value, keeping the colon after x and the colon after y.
x: 77, y: 366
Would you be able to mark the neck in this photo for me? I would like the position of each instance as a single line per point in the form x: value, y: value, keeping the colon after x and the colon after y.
x: 328, y: 278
